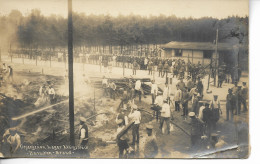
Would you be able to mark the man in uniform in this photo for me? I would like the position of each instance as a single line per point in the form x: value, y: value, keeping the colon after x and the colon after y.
x: 138, y: 89
x: 200, y: 87
x: 154, y: 90
x: 244, y: 96
x: 150, y: 144
x: 181, y: 84
x: 160, y: 68
x: 207, y: 118
x: 196, y: 129
x: 177, y: 98
x: 215, y: 107
x: 184, y: 101
x: 235, y: 91
x: 230, y: 104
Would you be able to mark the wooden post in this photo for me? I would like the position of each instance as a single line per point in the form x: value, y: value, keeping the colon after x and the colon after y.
x: 70, y: 65
x: 216, y: 62
x: 36, y: 59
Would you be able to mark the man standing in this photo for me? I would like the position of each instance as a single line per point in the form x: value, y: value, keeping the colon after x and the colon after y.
x: 181, y: 84
x: 105, y: 85
x: 230, y: 104
x: 112, y: 87
x: 51, y: 93
x: 189, y: 83
x: 150, y: 144
x: 160, y: 67
x: 200, y: 87
x: 138, y: 89
x: 122, y: 142
x: 178, y: 97
x: 195, y: 103
x: 11, y: 142
x: 166, y: 93
x: 83, y: 137
x: 135, y: 116
x: 122, y: 115
x: 10, y: 73
x: 207, y: 118
x: 165, y: 116
x: 244, y: 96
x: 196, y: 129
x: 235, y: 91
x: 154, y: 90
x: 184, y: 101
x: 215, y: 107
x: 157, y: 106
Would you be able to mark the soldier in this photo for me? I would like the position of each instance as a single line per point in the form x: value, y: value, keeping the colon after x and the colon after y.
x: 138, y: 89
x: 150, y: 143
x: 181, y: 84
x: 135, y: 67
x: 244, y: 97
x: 230, y: 104
x: 160, y: 68
x: 154, y: 90
x: 105, y: 86
x: 157, y: 106
x: 207, y: 118
x: 150, y: 67
x: 122, y: 115
x: 215, y: 107
x: 177, y: 98
x: 235, y: 91
x: 196, y: 129
x: 189, y: 83
x: 165, y: 69
x: 200, y: 87
x: 184, y: 101
x: 195, y: 103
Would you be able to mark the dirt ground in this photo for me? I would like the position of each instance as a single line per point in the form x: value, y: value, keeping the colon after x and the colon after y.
x: 51, y: 125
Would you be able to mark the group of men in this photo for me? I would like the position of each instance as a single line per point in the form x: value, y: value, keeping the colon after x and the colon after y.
x: 46, y: 95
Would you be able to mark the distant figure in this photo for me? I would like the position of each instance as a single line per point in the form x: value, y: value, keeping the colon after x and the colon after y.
x: 122, y: 115
x: 230, y: 105
x: 196, y: 129
x: 208, y: 119
x: 10, y: 74
x: 51, y: 94
x: 150, y: 143
x: 154, y: 90
x: 122, y: 142
x: 167, y: 93
x: 112, y: 87
x: 244, y: 97
x: 177, y: 98
x: 157, y: 106
x: 200, y: 87
x: 138, y: 89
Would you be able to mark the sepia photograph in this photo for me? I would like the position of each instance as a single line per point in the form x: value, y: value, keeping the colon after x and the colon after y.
x: 124, y: 79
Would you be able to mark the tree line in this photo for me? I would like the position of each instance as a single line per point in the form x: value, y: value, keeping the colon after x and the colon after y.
x: 38, y: 31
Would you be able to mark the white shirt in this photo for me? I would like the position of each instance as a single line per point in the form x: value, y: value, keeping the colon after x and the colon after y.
x: 166, y: 112
x: 159, y: 100
x: 135, y: 116
x: 51, y: 91
x: 166, y: 92
x: 215, y: 104
x: 154, y: 89
x: 138, y: 85
x: 178, y: 95
x: 201, y: 112
x: 104, y: 81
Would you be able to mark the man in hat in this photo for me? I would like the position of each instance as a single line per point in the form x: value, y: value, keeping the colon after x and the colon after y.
x: 10, y: 73
x: 195, y: 103
x: 177, y: 98
x: 165, y: 116
x: 154, y: 91
x: 181, y: 84
x: 135, y: 116
x: 138, y: 92
x: 112, y: 87
x: 200, y: 87
x: 51, y: 93
x: 244, y: 96
x: 230, y: 104
x: 207, y: 118
x: 83, y: 132
x: 11, y: 142
x: 235, y: 91
x: 122, y: 142
x: 184, y: 101
x: 201, y: 108
x: 189, y: 83
x: 167, y: 93
x: 123, y: 116
x: 196, y: 129
x: 157, y: 106
x: 150, y: 143
x: 215, y: 107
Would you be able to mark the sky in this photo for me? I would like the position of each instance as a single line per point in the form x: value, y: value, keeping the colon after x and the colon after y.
x: 180, y: 8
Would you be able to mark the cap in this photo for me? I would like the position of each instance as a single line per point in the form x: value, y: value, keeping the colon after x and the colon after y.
x: 243, y: 82
x: 191, y: 114
x: 82, y: 119
x: 120, y: 121
x: 149, y: 126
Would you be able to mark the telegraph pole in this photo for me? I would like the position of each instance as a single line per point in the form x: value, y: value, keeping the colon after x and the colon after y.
x: 70, y: 67
x: 216, y: 62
